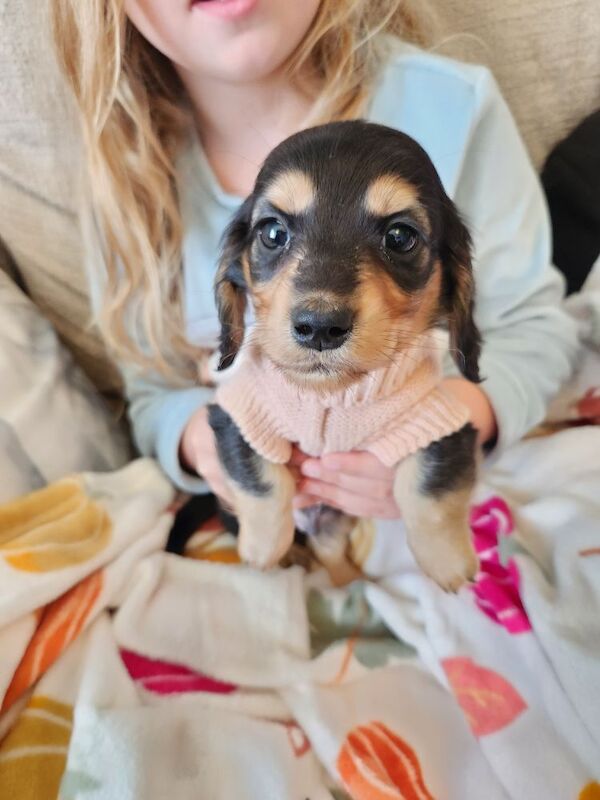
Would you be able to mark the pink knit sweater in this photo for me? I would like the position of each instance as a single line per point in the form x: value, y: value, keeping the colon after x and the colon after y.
x: 391, y: 412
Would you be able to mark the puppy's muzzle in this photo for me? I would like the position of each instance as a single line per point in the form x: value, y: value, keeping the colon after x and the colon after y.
x: 322, y: 330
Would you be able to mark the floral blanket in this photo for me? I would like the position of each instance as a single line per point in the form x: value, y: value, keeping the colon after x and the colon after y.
x: 579, y: 401
x: 127, y: 672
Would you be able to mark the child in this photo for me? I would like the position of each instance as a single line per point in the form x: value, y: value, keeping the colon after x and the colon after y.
x: 181, y: 101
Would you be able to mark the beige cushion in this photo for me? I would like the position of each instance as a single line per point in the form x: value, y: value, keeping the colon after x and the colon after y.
x: 545, y: 54
x: 52, y: 421
x: 39, y: 166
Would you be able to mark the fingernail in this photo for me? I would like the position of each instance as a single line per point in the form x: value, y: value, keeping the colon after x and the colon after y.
x: 311, y: 469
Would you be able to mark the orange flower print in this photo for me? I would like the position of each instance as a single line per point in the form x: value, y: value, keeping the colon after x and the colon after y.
x: 590, y: 792
x: 53, y: 528
x: 60, y: 623
x: 34, y: 753
x: 374, y: 763
x: 298, y: 740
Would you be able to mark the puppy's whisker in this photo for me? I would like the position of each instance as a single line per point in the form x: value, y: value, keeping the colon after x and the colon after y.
x: 234, y: 328
x: 227, y: 356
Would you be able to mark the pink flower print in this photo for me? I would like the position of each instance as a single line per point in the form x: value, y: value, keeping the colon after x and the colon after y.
x: 488, y: 700
x: 588, y: 406
x: 161, y: 677
x: 496, y: 588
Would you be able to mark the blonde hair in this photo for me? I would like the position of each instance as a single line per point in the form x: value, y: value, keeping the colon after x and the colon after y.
x: 134, y: 116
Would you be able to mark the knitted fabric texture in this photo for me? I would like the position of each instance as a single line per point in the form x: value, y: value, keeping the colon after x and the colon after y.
x: 391, y: 412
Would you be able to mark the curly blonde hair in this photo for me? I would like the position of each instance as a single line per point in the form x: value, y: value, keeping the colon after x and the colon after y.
x: 134, y: 116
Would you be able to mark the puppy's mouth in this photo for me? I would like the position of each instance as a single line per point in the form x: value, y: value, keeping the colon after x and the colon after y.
x: 316, y: 368
x: 325, y: 370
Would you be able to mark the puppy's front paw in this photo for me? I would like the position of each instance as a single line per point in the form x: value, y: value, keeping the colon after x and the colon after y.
x: 263, y: 542
x: 449, y: 559
x: 266, y: 524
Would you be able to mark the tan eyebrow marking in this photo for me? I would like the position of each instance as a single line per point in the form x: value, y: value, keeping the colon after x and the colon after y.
x: 292, y: 192
x: 388, y: 194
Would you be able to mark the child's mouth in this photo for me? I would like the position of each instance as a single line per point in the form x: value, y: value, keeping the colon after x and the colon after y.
x: 225, y: 9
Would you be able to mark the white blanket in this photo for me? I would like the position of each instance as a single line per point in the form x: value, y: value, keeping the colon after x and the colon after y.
x: 211, y: 680
x: 128, y: 673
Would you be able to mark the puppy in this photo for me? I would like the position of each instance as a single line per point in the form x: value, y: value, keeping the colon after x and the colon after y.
x: 351, y: 255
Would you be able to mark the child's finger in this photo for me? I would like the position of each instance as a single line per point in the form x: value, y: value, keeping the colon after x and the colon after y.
x: 305, y: 501
x: 350, y: 502
x: 357, y: 463
x: 379, y: 489
x: 298, y: 457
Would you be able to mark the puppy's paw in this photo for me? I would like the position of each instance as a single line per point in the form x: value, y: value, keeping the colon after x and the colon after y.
x: 264, y: 540
x: 458, y: 571
x: 450, y: 560
x: 266, y: 524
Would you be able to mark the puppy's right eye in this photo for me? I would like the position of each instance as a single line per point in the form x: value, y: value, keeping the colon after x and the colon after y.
x: 273, y: 234
x: 401, y: 238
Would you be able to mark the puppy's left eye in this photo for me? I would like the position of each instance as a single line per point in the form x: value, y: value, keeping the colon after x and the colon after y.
x: 401, y: 238
x: 273, y: 234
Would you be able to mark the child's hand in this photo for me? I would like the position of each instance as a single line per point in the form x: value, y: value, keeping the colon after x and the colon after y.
x: 356, y: 483
x: 198, y: 453
x: 476, y: 400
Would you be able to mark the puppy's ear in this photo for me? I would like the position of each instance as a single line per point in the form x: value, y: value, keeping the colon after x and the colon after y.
x: 459, y: 293
x: 230, y: 285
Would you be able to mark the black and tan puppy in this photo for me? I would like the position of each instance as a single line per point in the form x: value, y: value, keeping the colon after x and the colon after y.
x: 349, y: 250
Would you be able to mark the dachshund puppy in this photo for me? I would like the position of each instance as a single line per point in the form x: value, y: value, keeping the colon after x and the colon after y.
x: 350, y: 254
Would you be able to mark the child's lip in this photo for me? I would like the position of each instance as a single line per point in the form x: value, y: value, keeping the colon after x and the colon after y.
x: 225, y: 9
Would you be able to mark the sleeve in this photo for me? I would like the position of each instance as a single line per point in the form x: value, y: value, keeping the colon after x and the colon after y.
x: 158, y: 415
x: 529, y: 342
x: 157, y: 411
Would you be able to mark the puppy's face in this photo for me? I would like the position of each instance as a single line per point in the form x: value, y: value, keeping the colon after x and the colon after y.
x: 349, y: 248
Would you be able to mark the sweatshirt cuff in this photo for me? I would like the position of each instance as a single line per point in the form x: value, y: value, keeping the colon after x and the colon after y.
x: 516, y: 410
x: 177, y: 412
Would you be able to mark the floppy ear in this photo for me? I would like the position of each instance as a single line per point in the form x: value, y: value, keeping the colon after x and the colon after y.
x: 459, y: 293
x: 231, y: 286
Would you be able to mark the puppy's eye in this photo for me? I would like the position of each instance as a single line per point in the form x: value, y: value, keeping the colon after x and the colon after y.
x: 273, y: 234
x: 401, y: 238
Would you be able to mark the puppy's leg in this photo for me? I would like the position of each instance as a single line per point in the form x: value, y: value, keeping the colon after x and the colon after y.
x: 433, y: 490
x: 329, y: 532
x: 262, y: 493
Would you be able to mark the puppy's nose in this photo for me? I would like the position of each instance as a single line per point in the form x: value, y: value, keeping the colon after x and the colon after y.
x: 321, y: 330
